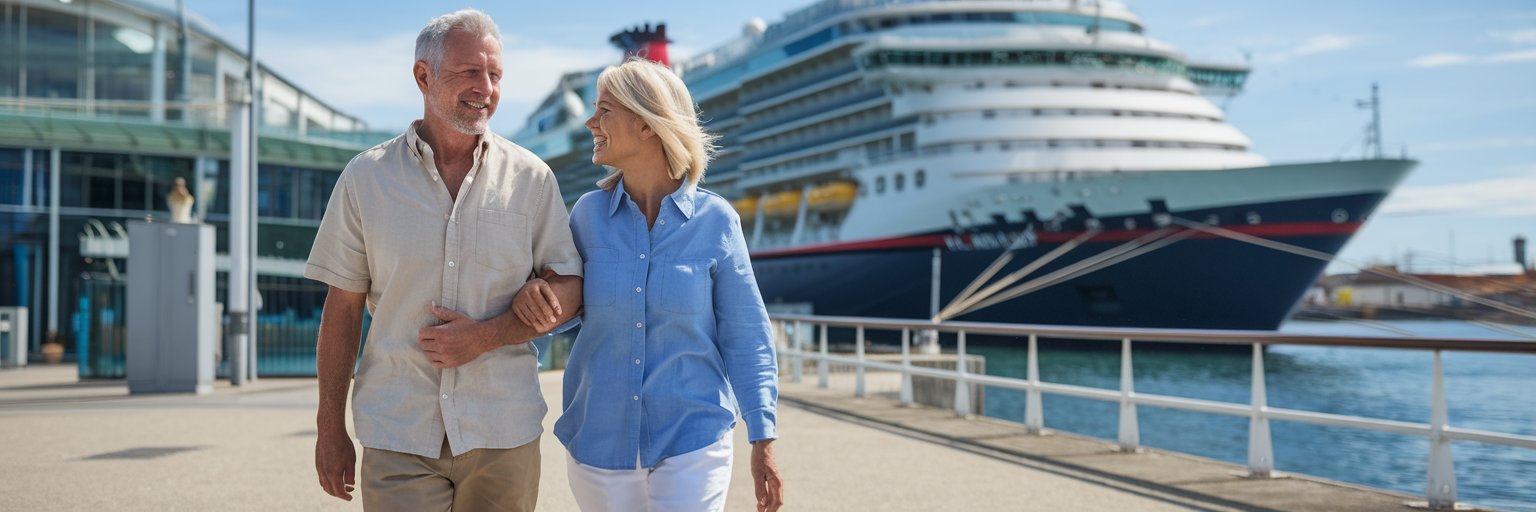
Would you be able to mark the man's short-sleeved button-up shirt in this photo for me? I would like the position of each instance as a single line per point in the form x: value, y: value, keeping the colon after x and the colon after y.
x: 392, y: 231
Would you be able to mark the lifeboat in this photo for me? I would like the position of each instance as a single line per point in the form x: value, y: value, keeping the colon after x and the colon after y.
x: 782, y: 204
x: 746, y: 208
x: 837, y: 195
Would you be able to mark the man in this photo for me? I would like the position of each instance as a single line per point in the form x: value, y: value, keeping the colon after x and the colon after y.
x: 435, y: 231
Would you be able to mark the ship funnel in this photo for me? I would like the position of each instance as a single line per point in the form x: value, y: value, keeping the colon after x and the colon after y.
x: 645, y: 42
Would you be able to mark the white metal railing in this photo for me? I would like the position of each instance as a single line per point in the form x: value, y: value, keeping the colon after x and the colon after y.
x: 1441, y: 484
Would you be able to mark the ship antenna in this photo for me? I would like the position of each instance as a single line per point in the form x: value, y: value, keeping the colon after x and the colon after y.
x: 1373, y: 131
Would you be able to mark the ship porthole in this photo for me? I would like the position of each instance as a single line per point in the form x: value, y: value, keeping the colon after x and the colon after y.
x: 1253, y: 218
x: 1340, y: 216
x: 880, y: 185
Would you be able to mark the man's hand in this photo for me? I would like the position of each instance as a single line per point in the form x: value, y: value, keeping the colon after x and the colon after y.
x: 458, y: 340
x: 765, y: 477
x: 536, y: 304
x: 335, y: 459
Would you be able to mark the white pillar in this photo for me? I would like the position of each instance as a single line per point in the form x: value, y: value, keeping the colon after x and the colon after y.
x: 1130, y: 433
x: 1034, y: 414
x: 962, y: 385
x: 239, y: 238
x: 821, y: 365
x: 1440, y: 487
x: 858, y: 348
x: 1261, y: 455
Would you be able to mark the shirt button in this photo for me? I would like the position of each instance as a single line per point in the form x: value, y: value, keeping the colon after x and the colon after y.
x: 637, y: 289
x: 636, y: 397
x: 445, y: 396
x: 434, y: 178
x: 662, y: 221
x: 639, y: 325
x: 637, y: 361
x: 445, y: 215
x: 642, y: 256
x: 450, y: 264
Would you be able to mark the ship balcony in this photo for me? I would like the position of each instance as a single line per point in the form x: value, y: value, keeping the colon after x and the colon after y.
x: 1070, y: 128
x: 998, y: 97
x: 841, y: 163
x: 806, y: 114
x: 754, y: 100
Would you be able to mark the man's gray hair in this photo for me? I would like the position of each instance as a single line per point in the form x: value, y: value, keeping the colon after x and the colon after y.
x: 430, y: 43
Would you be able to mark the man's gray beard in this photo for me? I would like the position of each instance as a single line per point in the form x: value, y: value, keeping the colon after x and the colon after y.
x: 467, y: 127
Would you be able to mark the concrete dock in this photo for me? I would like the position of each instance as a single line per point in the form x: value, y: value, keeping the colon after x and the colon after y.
x: 89, y: 445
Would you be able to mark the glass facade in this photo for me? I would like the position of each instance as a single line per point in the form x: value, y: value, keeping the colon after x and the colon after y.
x: 118, y: 149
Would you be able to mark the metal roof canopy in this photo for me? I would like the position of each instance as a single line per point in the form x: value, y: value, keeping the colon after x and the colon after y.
x: 95, y: 135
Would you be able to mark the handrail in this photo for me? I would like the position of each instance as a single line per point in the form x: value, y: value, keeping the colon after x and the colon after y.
x: 1440, y: 487
x: 1189, y: 336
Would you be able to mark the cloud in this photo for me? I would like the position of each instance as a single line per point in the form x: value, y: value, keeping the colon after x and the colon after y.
x: 1435, y: 60
x: 1519, y: 56
x: 1441, y: 59
x: 1481, y: 144
x: 1205, y: 21
x: 1312, y: 46
x: 1523, y: 36
x: 1324, y: 44
x: 1506, y: 197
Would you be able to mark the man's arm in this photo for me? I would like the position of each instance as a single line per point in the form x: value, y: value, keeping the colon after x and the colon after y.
x: 460, y: 339
x: 340, y: 330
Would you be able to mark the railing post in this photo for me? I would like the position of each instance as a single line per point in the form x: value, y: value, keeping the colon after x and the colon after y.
x: 1441, y: 486
x: 962, y: 384
x: 821, y: 365
x: 858, y: 372
x: 906, y: 367
x: 1261, y: 456
x: 798, y: 361
x: 1130, y: 433
x: 1034, y: 414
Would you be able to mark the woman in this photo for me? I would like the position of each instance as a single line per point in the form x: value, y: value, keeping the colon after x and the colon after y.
x: 674, y: 337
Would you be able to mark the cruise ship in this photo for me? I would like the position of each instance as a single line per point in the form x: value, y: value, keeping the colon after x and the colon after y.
x: 1018, y: 161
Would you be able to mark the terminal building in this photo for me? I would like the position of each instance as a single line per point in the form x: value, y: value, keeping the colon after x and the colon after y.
x: 103, y: 103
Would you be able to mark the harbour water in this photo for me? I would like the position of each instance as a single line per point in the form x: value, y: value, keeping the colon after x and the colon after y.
x: 1485, y: 391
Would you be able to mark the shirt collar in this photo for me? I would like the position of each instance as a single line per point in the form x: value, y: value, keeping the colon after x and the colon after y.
x: 415, y: 145
x: 683, y: 198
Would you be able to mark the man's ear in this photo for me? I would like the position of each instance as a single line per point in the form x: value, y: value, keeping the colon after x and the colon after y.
x: 423, y: 75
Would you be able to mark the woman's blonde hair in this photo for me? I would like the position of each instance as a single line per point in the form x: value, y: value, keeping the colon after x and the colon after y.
x: 659, y: 97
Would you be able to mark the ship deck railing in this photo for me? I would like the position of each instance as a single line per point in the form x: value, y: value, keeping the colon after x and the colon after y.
x: 795, y: 334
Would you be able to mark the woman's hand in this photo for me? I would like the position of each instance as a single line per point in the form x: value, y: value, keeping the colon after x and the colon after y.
x: 536, y: 305
x: 765, y: 477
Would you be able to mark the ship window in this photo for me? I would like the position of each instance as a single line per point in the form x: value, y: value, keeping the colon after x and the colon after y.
x: 900, y: 180
x: 880, y: 185
x: 918, y: 178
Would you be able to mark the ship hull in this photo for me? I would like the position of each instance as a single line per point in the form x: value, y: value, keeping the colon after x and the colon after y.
x: 1204, y: 281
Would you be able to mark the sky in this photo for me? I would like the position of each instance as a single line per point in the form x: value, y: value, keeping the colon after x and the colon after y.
x: 1456, y: 78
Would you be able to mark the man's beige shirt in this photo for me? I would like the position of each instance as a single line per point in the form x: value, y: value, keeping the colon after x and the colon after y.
x: 392, y: 231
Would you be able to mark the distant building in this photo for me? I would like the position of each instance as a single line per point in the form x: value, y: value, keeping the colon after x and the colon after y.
x: 93, y: 98
x: 1370, y: 289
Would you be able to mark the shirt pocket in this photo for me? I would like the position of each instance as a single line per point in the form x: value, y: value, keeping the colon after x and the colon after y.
x: 602, y: 276
x: 685, y: 286
x: 501, y: 241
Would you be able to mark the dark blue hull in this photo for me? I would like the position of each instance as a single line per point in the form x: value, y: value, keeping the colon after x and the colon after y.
x: 1203, y: 282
